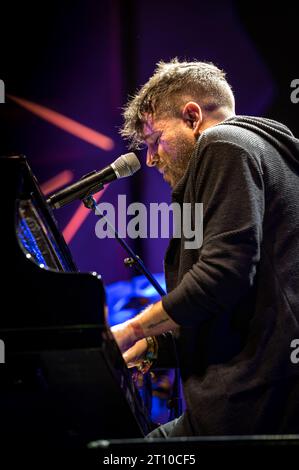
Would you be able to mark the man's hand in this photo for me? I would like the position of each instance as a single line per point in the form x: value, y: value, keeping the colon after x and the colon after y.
x: 124, y: 335
x: 152, y: 321
x: 136, y: 353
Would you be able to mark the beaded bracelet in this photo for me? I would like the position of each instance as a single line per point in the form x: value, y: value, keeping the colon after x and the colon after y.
x: 150, y: 356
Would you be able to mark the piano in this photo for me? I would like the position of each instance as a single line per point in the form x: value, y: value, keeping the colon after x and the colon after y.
x: 64, y: 382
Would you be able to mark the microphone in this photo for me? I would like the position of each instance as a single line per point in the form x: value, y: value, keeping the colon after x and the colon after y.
x: 125, y: 165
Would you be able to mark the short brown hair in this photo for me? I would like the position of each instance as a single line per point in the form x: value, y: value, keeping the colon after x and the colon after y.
x: 171, y: 83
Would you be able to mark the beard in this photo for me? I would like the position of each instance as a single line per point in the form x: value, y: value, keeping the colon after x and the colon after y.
x: 179, y: 155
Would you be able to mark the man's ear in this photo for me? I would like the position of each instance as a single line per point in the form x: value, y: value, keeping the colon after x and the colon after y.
x: 192, y: 115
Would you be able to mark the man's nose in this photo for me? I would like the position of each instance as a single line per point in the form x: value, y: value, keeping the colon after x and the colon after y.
x: 151, y: 158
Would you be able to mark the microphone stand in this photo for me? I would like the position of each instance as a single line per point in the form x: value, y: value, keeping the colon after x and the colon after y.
x: 174, y: 404
x: 133, y: 260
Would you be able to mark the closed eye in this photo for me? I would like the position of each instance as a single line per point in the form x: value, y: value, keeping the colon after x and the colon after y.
x: 154, y: 138
x: 157, y: 139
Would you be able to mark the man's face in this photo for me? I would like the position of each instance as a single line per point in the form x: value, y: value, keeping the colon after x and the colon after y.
x: 170, y: 144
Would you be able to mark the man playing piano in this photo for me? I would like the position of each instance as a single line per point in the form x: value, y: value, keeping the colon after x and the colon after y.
x: 232, y: 305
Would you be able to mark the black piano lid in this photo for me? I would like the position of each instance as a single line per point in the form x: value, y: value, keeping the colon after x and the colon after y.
x: 61, y: 295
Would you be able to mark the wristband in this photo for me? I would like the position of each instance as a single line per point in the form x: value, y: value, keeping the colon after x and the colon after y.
x: 150, y: 356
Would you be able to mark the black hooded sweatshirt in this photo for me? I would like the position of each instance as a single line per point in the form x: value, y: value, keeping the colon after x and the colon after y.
x: 236, y: 297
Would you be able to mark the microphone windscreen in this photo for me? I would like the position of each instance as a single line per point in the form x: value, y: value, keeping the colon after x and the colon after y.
x: 126, y: 165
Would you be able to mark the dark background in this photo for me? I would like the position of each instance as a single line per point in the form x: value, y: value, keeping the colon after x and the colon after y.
x: 83, y: 58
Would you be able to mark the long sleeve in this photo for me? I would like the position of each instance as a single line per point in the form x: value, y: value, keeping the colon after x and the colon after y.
x: 228, y: 181
x: 166, y: 352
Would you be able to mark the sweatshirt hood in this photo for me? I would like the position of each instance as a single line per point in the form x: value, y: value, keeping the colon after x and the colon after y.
x: 274, y: 132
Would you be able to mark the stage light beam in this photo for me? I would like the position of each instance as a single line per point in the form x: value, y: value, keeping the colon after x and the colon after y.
x: 69, y: 125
